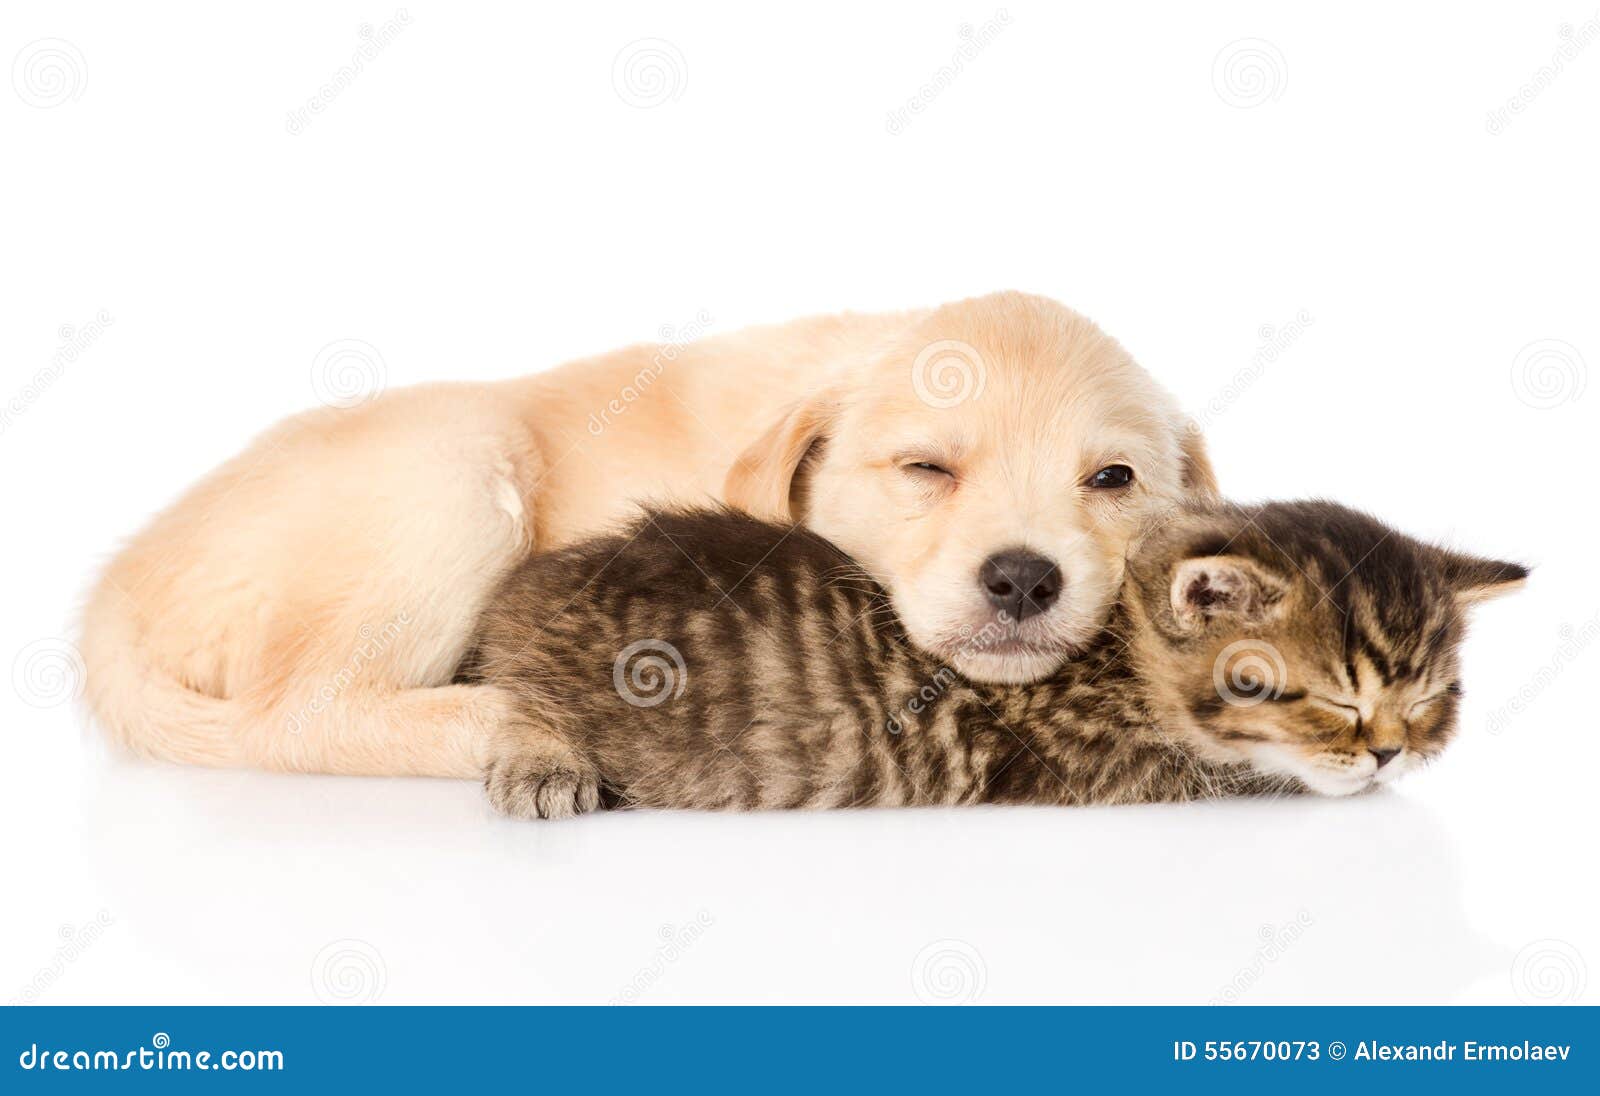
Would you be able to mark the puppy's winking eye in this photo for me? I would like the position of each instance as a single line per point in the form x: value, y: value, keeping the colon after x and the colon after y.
x: 928, y: 468
x: 1112, y: 476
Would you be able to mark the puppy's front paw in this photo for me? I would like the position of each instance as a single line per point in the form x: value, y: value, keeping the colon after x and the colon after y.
x: 539, y: 785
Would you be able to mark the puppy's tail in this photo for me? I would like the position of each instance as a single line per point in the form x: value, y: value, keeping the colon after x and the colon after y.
x: 143, y: 705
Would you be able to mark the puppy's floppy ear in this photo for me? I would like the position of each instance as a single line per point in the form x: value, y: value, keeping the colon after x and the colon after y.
x: 761, y: 481
x: 1205, y: 588
x: 1199, y: 478
x: 1474, y: 579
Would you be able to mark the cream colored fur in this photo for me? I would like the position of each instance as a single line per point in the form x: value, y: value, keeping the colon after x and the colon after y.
x: 305, y: 606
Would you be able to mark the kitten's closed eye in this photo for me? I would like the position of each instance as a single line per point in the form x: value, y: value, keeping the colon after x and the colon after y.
x: 1339, y: 709
x: 1449, y: 692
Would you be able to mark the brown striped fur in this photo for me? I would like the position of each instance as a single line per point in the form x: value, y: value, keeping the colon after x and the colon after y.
x: 705, y: 659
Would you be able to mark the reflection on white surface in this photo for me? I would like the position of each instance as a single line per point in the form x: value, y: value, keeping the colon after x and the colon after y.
x: 143, y: 882
x: 285, y: 889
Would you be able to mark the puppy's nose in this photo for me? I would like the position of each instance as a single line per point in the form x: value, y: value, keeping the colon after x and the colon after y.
x: 1384, y: 756
x: 1020, y: 583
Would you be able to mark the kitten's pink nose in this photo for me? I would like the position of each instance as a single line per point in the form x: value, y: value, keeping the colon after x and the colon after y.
x: 1384, y: 756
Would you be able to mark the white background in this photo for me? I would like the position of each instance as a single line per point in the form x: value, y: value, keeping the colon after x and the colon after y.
x: 493, y: 194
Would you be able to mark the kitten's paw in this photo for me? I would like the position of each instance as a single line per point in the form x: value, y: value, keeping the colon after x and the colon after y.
x: 539, y: 785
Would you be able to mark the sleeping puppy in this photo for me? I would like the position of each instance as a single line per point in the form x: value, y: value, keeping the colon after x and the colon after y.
x: 307, y: 605
x: 990, y: 484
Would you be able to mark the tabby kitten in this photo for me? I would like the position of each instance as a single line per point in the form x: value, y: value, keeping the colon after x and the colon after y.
x: 705, y: 659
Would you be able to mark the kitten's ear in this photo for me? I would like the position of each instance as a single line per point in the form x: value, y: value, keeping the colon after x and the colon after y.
x: 1208, y: 587
x: 1474, y: 579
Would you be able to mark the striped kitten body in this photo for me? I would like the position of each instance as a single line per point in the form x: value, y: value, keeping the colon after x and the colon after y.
x: 708, y: 660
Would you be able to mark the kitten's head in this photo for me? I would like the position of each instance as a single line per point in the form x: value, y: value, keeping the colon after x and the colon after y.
x: 1305, y: 639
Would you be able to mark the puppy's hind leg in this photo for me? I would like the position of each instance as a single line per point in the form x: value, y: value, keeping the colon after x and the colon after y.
x: 356, y: 671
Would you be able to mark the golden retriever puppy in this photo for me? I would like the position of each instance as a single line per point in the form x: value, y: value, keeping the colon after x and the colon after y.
x: 306, y: 606
x: 995, y: 493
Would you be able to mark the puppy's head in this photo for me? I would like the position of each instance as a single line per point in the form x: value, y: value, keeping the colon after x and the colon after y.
x: 989, y: 468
